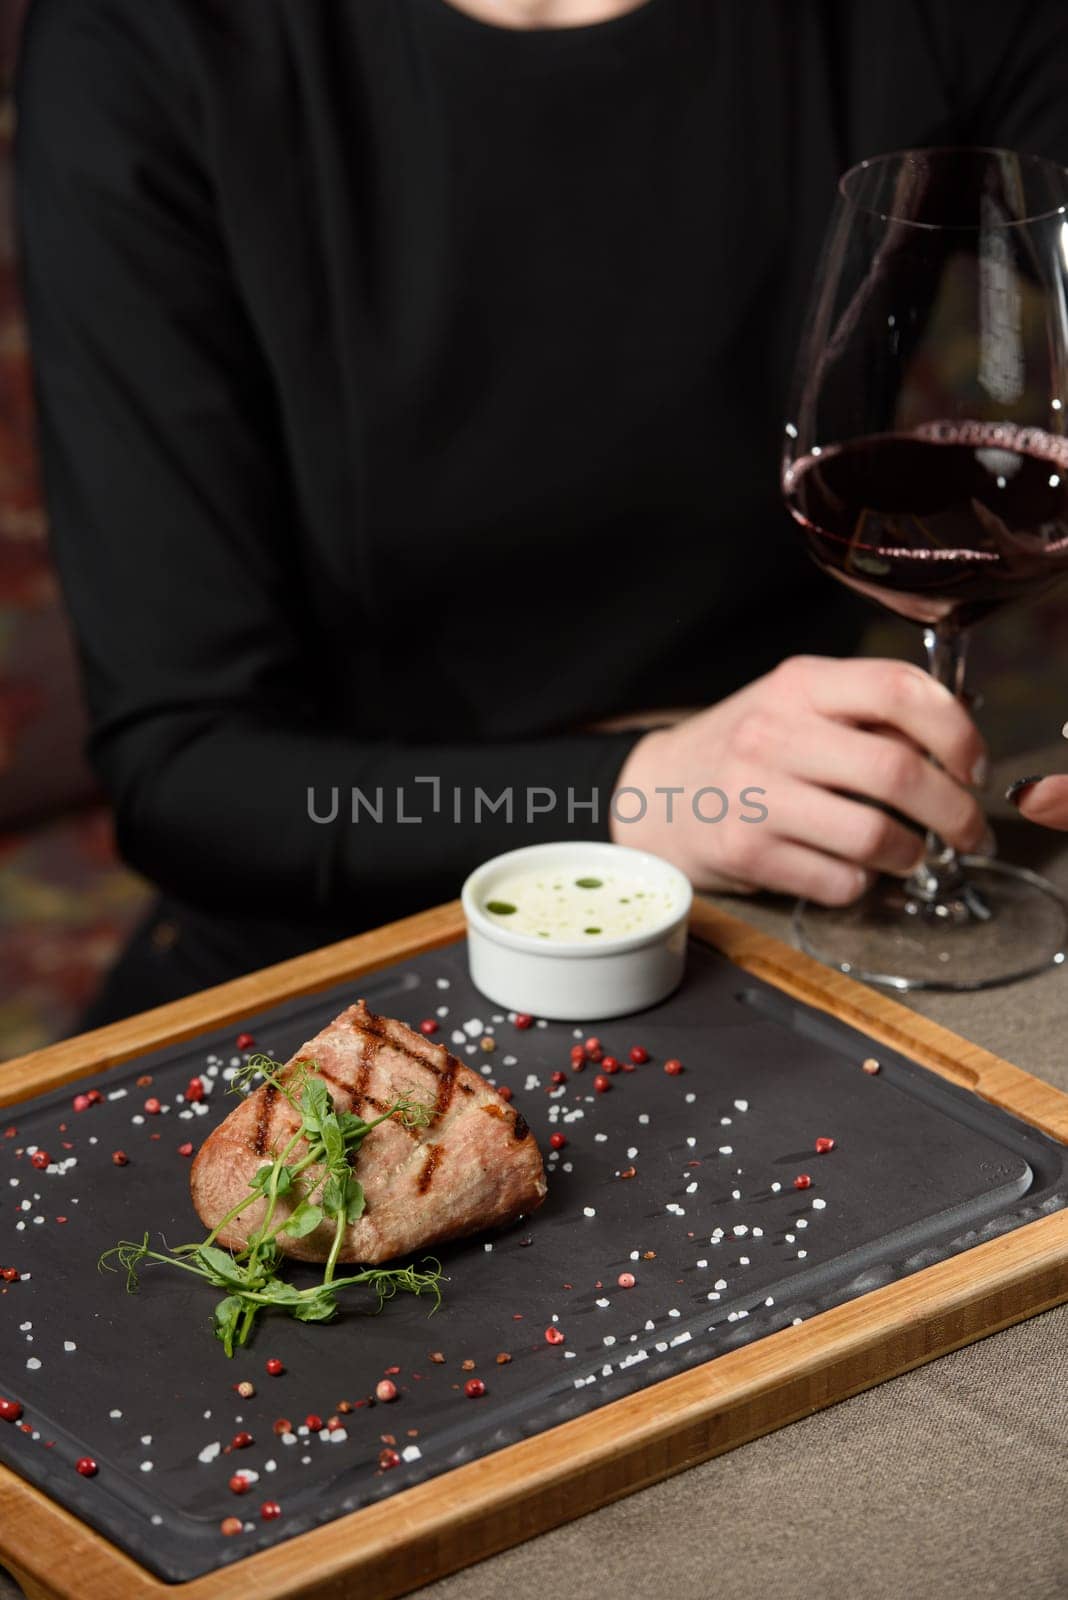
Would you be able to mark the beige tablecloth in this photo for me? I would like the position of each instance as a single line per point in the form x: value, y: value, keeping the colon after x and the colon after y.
x: 950, y: 1483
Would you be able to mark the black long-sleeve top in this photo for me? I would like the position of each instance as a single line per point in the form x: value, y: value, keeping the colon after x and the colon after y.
x: 411, y: 392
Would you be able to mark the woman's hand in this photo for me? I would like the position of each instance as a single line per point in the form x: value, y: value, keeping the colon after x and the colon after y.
x: 819, y: 737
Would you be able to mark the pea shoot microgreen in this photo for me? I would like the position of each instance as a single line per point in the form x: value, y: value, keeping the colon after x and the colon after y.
x: 330, y: 1193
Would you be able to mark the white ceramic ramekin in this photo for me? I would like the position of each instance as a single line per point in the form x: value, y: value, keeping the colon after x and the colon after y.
x: 563, y: 979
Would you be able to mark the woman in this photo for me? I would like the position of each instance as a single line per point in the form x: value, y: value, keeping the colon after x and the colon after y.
x: 411, y: 376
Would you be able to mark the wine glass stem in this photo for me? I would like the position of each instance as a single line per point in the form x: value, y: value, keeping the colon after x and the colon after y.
x: 939, y: 877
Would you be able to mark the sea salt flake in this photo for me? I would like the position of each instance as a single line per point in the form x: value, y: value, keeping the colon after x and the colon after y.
x: 209, y: 1452
x: 609, y: 1338
x: 632, y: 1151
x: 643, y: 1118
x: 680, y: 1338
x: 691, y: 1188
x: 741, y: 1105
x: 411, y: 1452
x: 690, y: 1098
x: 473, y: 1026
x: 33, y: 1363
x: 589, y: 1211
x: 114, y: 1415
x: 601, y: 1138
x: 726, y: 1150
x: 604, y: 1302
x: 819, y: 1205
x: 146, y: 1466
x: 69, y: 1345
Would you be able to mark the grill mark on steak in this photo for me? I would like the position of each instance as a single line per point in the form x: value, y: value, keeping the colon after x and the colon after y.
x: 446, y: 1082
x: 259, y: 1138
x: 370, y: 1023
x: 520, y: 1128
x: 430, y: 1166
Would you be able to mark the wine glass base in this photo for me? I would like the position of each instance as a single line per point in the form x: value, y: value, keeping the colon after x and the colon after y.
x: 1019, y: 926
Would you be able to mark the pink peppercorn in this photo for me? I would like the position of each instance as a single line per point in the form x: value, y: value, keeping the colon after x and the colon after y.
x: 523, y: 1020
x: 428, y: 1026
x: 557, y: 1140
x: 388, y: 1459
x: 823, y: 1145
x: 474, y: 1388
x: 239, y: 1484
x: 673, y: 1066
x: 385, y: 1389
x: 626, y: 1280
x: 40, y: 1159
x: 553, y: 1335
x: 601, y: 1084
x: 195, y: 1090
x: 244, y: 1041
x: 639, y: 1055
x: 82, y: 1102
x: 504, y: 1092
x: 152, y: 1106
x: 274, y: 1367
x: 10, y: 1411
x: 270, y: 1510
x: 802, y: 1181
x: 86, y: 1466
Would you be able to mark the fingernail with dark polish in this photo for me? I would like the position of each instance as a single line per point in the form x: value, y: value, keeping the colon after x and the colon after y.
x: 1015, y: 790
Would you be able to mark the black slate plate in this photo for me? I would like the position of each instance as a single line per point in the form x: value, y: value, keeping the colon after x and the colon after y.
x: 920, y: 1170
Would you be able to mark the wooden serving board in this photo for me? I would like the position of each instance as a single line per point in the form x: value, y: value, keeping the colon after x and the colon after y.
x: 485, y: 1505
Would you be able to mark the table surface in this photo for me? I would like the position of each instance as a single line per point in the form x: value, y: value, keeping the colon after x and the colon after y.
x: 951, y: 1480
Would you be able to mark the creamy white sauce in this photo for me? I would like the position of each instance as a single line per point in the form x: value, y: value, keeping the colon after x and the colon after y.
x: 579, y: 905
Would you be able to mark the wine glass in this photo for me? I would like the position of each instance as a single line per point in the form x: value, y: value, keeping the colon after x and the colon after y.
x: 926, y: 460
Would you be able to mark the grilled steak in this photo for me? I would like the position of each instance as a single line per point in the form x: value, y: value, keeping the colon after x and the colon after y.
x: 476, y: 1165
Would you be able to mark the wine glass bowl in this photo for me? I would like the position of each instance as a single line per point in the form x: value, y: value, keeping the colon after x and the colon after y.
x: 926, y: 462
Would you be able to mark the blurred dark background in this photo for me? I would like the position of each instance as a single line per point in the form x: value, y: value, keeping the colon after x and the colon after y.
x: 66, y: 902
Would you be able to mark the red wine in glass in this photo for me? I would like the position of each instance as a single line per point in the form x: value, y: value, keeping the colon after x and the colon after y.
x: 943, y: 525
x: 926, y: 462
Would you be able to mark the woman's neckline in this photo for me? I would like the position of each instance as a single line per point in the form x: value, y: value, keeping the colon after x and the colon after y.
x: 554, y: 37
